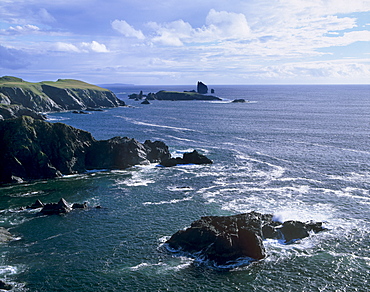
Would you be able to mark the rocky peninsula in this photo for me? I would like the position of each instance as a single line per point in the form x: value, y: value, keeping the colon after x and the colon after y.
x: 35, y: 149
x: 19, y: 97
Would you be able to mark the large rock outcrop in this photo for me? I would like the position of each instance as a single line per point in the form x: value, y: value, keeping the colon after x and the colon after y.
x: 35, y: 149
x: 225, y: 239
x: 48, y: 96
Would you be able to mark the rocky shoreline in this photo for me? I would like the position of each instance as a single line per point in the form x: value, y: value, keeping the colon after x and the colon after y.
x: 34, y: 149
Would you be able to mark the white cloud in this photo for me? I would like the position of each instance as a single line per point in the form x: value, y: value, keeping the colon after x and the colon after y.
x: 25, y: 29
x: 127, y: 30
x: 220, y: 26
x: 95, y: 47
x: 65, y: 47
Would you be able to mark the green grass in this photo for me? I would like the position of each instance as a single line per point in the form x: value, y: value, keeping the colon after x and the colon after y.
x: 9, y: 81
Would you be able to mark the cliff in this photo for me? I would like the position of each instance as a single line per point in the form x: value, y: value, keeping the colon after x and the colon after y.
x: 35, y: 149
x: 64, y: 94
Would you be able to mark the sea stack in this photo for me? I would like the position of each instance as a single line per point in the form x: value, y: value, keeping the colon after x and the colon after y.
x: 202, y: 88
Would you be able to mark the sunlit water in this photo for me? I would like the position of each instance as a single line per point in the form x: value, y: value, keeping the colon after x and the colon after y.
x: 299, y: 152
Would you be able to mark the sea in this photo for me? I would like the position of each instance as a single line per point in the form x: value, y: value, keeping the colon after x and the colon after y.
x: 298, y: 152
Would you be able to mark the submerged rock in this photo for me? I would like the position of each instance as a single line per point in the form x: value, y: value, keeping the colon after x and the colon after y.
x: 225, y: 239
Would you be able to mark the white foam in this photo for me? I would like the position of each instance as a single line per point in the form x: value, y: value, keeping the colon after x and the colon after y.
x: 174, y: 201
x: 156, y: 125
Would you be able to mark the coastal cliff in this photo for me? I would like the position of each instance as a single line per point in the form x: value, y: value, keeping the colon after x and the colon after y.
x: 34, y: 149
x: 48, y: 96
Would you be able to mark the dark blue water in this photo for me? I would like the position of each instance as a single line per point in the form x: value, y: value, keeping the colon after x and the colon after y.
x: 299, y: 152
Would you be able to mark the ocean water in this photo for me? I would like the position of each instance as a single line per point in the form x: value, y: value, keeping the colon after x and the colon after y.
x: 298, y: 152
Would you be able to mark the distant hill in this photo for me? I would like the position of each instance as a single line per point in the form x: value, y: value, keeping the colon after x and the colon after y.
x: 49, y: 96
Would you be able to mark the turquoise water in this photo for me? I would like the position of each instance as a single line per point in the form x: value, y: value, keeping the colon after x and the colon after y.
x: 299, y: 152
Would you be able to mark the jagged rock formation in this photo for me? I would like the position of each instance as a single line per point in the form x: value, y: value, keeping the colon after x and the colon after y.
x: 35, y: 149
x: 202, y: 88
x: 225, y: 239
x: 48, y: 96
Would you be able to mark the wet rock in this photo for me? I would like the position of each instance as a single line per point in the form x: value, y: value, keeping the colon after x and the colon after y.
x: 36, y: 205
x: 241, y: 100
x: 5, y: 286
x: 62, y: 207
x: 225, y: 239
x: 188, y: 158
x: 79, y: 206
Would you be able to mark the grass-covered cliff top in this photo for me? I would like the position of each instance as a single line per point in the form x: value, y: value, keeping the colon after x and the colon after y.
x: 9, y: 81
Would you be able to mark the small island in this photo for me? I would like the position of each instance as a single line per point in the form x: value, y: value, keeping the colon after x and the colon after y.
x: 200, y: 94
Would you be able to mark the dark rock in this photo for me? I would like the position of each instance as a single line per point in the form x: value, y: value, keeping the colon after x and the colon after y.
x: 62, y: 207
x: 241, y: 100
x: 146, y: 101
x: 212, y: 91
x: 36, y: 205
x: 224, y: 239
x: 157, y: 151
x: 79, y: 206
x: 5, y: 286
x: 202, y: 88
x: 117, y: 153
x: 196, y: 158
x: 33, y: 149
x: 188, y: 158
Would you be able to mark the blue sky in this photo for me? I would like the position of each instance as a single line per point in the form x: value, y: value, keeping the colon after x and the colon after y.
x: 181, y: 42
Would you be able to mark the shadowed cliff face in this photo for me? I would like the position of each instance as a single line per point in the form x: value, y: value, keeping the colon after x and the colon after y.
x: 35, y: 149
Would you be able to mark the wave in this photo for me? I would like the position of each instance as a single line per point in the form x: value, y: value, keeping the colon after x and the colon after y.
x: 140, y: 123
x: 174, y: 201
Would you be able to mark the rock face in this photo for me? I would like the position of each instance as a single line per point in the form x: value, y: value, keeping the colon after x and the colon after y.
x: 12, y: 111
x: 187, y: 158
x: 34, y: 149
x: 202, y: 88
x: 64, y: 94
x: 225, y: 239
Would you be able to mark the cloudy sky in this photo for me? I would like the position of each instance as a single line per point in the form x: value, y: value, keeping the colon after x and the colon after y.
x: 181, y: 42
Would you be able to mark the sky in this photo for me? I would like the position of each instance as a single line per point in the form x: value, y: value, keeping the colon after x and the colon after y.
x: 176, y: 42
